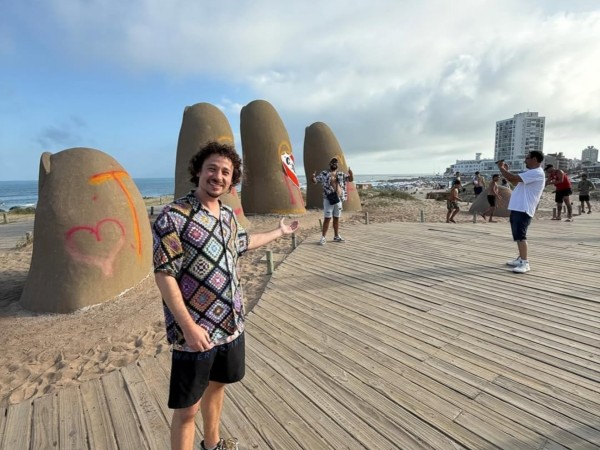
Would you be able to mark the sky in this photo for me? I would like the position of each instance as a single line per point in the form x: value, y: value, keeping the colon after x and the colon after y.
x: 406, y: 86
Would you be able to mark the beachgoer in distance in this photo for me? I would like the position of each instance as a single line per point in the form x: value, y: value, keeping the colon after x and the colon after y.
x: 564, y: 189
x: 529, y: 186
x: 456, y: 178
x: 333, y: 182
x: 197, y: 242
x: 478, y: 183
x: 584, y: 187
x: 452, y: 202
x: 493, y: 193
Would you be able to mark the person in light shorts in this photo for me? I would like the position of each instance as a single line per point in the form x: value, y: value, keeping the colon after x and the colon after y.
x: 333, y: 182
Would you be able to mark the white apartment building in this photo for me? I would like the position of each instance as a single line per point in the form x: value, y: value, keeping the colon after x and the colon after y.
x: 484, y: 166
x: 589, y: 154
x: 518, y: 136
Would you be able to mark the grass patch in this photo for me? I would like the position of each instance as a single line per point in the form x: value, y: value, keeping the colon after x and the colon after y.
x: 21, y: 211
x: 384, y: 194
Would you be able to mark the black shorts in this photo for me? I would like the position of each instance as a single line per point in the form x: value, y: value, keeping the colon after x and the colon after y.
x: 559, y: 195
x: 478, y: 190
x: 191, y: 371
x: 584, y: 198
x: 491, y: 200
x: 519, y: 222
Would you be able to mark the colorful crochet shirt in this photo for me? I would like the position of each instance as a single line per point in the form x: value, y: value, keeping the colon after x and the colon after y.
x: 201, y: 252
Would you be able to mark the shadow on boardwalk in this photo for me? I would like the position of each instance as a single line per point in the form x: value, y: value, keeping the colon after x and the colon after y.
x: 408, y: 335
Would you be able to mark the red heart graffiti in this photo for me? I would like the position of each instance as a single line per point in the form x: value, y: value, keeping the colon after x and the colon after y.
x: 104, y: 262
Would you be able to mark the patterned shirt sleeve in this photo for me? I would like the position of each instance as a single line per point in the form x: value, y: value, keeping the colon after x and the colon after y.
x: 323, y: 177
x: 243, y: 239
x: 167, y: 248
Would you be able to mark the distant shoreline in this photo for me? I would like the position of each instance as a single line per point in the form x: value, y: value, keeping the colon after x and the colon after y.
x: 25, y: 193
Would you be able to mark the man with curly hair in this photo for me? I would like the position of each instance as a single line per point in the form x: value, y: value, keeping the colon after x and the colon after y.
x: 197, y: 243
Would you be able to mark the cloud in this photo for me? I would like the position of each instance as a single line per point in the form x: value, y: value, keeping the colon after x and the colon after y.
x: 417, y: 83
x: 66, y: 134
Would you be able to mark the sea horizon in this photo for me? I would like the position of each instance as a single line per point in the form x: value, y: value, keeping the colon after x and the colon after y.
x: 24, y: 193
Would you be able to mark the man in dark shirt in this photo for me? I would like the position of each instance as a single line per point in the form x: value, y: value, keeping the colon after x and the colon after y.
x: 197, y: 242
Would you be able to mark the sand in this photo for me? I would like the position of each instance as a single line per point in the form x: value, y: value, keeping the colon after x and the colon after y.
x: 45, y: 352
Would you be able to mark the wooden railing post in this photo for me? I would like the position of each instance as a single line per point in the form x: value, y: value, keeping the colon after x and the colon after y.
x: 269, y: 262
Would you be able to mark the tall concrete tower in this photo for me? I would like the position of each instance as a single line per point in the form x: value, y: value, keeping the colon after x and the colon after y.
x: 518, y: 136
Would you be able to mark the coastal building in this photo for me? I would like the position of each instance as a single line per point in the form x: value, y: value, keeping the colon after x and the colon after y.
x: 558, y: 160
x: 518, y: 136
x: 589, y: 154
x: 485, y: 166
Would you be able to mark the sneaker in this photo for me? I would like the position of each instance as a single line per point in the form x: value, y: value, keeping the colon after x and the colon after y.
x: 514, y: 262
x: 322, y: 240
x: 338, y: 238
x: 589, y: 212
x: 224, y: 444
x: 522, y: 267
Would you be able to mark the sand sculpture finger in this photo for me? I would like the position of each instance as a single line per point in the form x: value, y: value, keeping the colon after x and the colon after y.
x: 480, y: 204
x: 271, y: 184
x: 203, y: 123
x: 92, y: 237
x: 320, y: 146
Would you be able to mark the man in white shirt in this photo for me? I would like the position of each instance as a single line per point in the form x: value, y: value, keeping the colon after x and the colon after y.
x: 523, y: 202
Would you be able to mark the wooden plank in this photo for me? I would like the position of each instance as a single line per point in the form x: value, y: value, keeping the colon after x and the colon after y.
x: 390, y: 401
x: 237, y: 424
x: 152, y: 420
x: 530, y: 419
x: 361, y: 430
x: 432, y: 386
x: 17, y: 428
x: 526, y: 347
x: 122, y: 412
x: 158, y: 383
x: 330, y: 432
x: 274, y: 433
x: 2, y: 423
x: 459, y: 359
x: 44, y: 424
x: 100, y: 431
x: 71, y: 424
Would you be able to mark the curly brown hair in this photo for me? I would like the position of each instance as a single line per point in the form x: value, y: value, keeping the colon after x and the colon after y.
x: 215, y: 148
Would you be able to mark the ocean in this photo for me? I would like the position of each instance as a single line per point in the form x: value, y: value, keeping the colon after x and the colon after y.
x: 25, y: 193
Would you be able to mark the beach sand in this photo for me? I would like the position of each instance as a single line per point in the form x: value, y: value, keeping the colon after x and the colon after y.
x: 42, y: 353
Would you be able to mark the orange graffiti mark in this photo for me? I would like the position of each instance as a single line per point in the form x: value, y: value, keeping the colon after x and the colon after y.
x: 117, y: 176
x: 104, y: 262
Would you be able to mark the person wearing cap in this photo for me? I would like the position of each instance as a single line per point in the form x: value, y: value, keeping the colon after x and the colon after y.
x: 529, y: 187
x: 584, y: 187
x: 334, y: 193
x: 564, y: 189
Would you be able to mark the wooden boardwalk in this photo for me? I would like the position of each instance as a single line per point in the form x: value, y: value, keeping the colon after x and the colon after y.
x: 408, y: 335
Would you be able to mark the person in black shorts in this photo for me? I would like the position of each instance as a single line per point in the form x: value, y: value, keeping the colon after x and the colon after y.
x: 197, y: 243
x: 584, y: 187
x: 493, y: 193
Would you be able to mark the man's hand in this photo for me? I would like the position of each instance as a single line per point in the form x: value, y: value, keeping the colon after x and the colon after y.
x: 288, y: 229
x: 197, y: 338
x: 502, y: 165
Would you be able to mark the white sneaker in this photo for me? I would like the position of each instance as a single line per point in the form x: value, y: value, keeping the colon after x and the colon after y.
x: 522, y: 267
x: 338, y: 238
x: 322, y: 240
x: 514, y: 262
